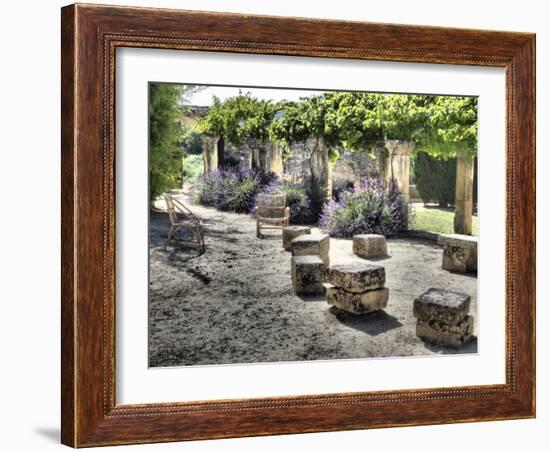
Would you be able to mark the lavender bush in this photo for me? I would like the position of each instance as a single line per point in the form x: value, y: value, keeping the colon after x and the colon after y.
x: 371, y: 208
x: 232, y: 188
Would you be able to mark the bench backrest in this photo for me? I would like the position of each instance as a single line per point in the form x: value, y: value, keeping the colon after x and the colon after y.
x: 271, y: 206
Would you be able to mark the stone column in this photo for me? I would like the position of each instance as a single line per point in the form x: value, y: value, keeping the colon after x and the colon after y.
x: 321, y: 172
x: 209, y: 152
x: 395, y: 168
x: 274, y: 158
x: 464, y: 195
x: 254, y: 146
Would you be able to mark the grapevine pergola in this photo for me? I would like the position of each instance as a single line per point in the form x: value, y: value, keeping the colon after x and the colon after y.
x: 442, y: 126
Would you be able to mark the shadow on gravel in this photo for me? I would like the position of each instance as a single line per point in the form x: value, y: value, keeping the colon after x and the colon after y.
x: 373, y: 324
x: 470, y: 347
x: 312, y: 298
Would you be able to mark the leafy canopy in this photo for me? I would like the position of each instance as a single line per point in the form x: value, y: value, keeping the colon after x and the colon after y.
x: 442, y: 126
x: 238, y: 118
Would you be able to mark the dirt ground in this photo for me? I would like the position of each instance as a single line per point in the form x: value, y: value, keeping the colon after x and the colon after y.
x: 235, y: 303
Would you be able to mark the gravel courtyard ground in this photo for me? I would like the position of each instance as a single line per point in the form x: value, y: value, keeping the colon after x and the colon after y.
x: 235, y: 303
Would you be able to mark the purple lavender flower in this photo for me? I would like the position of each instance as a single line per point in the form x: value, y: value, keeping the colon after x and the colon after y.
x: 371, y: 208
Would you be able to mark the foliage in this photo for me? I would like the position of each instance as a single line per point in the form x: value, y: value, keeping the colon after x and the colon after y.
x: 437, y: 220
x: 165, y: 135
x: 440, y: 125
x: 451, y: 127
x: 339, y: 187
x: 307, y: 118
x: 192, y: 167
x: 231, y: 189
x: 372, y: 208
x: 238, y: 118
x: 435, y: 179
x: 191, y: 141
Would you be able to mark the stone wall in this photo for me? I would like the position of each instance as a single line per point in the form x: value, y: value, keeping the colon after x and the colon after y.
x: 349, y: 167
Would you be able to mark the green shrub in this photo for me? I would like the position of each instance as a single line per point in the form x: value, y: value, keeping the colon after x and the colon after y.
x: 192, y: 167
x: 371, y: 208
x: 231, y: 189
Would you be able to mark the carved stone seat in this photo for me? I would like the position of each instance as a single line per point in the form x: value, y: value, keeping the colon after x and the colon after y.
x: 308, y: 275
x: 312, y: 245
x: 369, y: 245
x: 291, y: 232
x: 442, y: 318
x: 459, y: 252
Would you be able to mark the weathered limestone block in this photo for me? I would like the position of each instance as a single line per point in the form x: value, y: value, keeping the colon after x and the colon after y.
x: 370, y: 245
x: 357, y: 303
x: 357, y: 277
x: 459, y: 252
x: 443, y: 334
x: 291, y: 232
x: 312, y: 245
x: 308, y: 275
x: 442, y: 306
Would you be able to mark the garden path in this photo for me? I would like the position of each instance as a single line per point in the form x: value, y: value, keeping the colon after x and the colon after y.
x: 235, y: 303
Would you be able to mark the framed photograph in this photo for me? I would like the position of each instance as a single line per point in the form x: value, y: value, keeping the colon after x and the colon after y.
x: 282, y: 225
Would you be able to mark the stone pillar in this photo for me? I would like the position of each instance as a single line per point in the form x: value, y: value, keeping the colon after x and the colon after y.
x: 464, y: 195
x: 255, y: 151
x: 321, y: 172
x: 209, y: 152
x: 274, y: 158
x: 395, y: 168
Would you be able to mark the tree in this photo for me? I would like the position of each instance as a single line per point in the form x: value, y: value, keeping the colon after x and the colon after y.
x: 166, y: 134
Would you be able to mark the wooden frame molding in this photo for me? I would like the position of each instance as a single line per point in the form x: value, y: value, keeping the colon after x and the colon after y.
x: 90, y: 35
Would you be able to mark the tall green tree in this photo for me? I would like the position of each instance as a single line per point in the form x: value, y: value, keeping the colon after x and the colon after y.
x: 167, y: 134
x: 165, y: 137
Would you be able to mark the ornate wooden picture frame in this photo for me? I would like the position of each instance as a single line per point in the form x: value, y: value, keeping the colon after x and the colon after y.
x: 90, y: 37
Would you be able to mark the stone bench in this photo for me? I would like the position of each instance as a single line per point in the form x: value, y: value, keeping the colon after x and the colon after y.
x: 369, y: 245
x: 459, y: 252
x: 308, y: 275
x: 312, y: 245
x: 357, y: 302
x: 357, y: 288
x: 291, y: 232
x: 442, y: 318
x: 357, y: 277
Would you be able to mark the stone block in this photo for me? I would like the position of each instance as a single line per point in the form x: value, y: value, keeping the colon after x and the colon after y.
x: 357, y: 303
x: 459, y: 252
x: 308, y: 275
x: 312, y: 245
x: 291, y: 232
x: 357, y: 277
x: 445, y: 335
x: 457, y: 240
x: 369, y: 245
x: 441, y: 305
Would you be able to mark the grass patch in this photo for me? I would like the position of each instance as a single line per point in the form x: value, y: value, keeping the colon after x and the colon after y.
x: 437, y: 220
